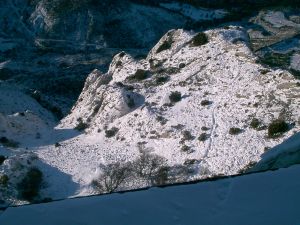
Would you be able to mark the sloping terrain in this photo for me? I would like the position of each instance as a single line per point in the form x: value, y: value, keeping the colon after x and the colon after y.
x: 197, y: 105
x: 223, y: 90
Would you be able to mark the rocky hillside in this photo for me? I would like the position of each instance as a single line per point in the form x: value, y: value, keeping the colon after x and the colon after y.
x: 197, y: 105
x: 197, y: 99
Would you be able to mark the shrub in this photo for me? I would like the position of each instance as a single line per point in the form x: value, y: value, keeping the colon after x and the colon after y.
x: 30, y: 185
x: 257, y: 124
x: 167, y: 44
x: 81, y: 126
x: 235, y: 130
x: 187, y: 135
x: 140, y: 74
x: 162, y: 176
x: 205, y: 102
x: 277, y: 127
x: 199, y: 39
x: 57, y: 144
x: 203, y: 137
x: 112, y: 132
x: 161, y: 79
x: 181, y: 65
x: 4, y: 180
x: 162, y: 120
x: 2, y: 159
x: 111, y: 177
x: 147, y: 165
x: 175, y: 96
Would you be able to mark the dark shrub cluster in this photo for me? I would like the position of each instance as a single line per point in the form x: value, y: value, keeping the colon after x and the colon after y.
x: 203, y: 137
x: 29, y: 187
x: 112, y: 132
x: 186, y: 135
x: 277, y: 127
x: 235, y: 130
x: 205, y: 102
x: 199, y: 39
x: 167, y: 44
x: 81, y: 126
x: 175, y: 96
x: 161, y: 79
x: 140, y: 74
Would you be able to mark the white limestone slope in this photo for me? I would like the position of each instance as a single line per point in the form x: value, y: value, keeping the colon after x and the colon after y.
x: 224, y: 71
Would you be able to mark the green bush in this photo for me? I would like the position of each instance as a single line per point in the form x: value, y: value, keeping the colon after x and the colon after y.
x: 199, y: 39
x: 203, y: 137
x: 187, y: 135
x: 81, y: 126
x: 205, y: 102
x: 140, y: 74
x: 235, y: 130
x: 277, y: 127
x: 161, y: 79
x: 175, y: 96
x: 167, y: 44
x: 112, y: 132
x: 29, y: 187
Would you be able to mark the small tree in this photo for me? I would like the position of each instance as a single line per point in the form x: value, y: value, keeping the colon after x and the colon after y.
x: 277, y: 127
x: 112, y: 177
x: 147, y: 165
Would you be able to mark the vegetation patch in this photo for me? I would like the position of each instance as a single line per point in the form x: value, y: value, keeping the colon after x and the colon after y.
x: 112, y: 132
x: 277, y: 127
x: 139, y: 75
x: 175, y: 97
x: 29, y: 187
x: 81, y: 126
x: 235, y: 130
x: 167, y: 44
x: 203, y: 137
x: 199, y: 39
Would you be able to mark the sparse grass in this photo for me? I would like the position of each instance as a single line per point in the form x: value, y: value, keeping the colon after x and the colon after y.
x: 277, y: 127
